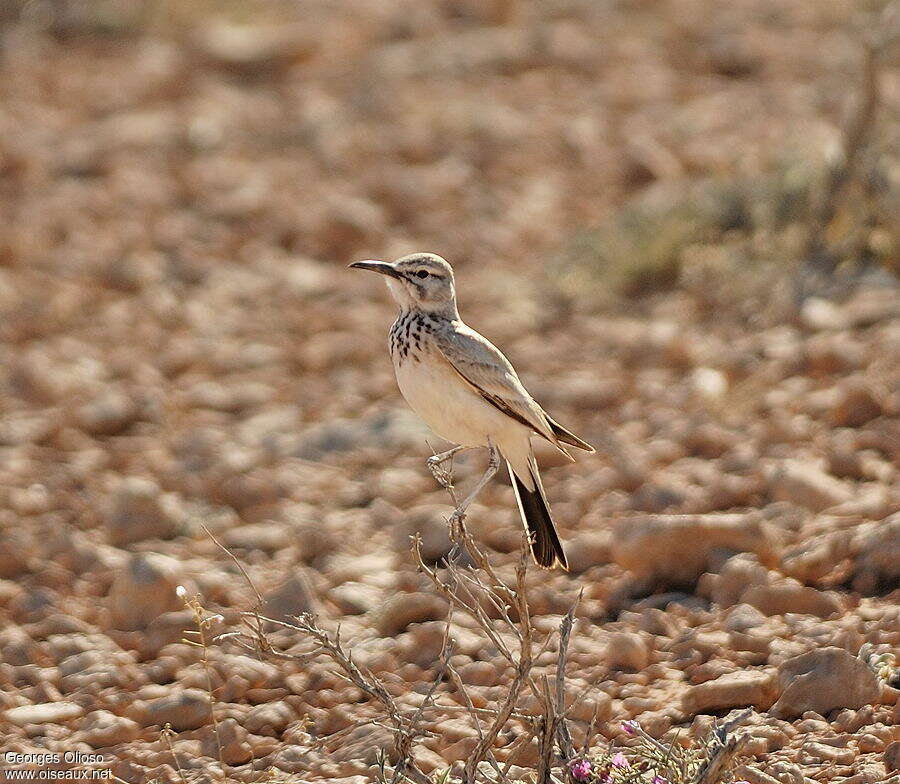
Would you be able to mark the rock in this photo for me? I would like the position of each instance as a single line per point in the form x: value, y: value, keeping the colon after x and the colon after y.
x: 823, y: 752
x: 868, y: 743
x: 144, y: 590
x: 736, y: 575
x: 595, y: 707
x: 33, y: 604
x: 479, y: 673
x: 140, y: 511
x: 232, y: 740
x: 269, y: 537
x: 677, y: 549
x: 709, y: 382
x: 98, y: 669
x: 732, y: 690
x: 814, y: 558
x: 109, y: 414
x: 892, y: 756
x: 820, y: 314
x: 353, y: 598
x: 269, y: 719
x: 184, y: 709
x: 14, y: 554
x: 293, y: 597
x: 788, y: 596
x: 626, y: 651
x: 44, y: 713
x: 875, y: 549
x: 429, y: 524
x: 102, y: 728
x: 589, y: 548
x: 257, y: 48
x: 402, y: 609
x: 822, y: 680
x: 806, y: 485
x: 743, y: 617
x: 855, y: 404
x: 17, y: 648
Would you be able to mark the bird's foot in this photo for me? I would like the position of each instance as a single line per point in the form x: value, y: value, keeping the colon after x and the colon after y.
x: 441, y: 475
x: 435, y: 463
x: 457, y: 525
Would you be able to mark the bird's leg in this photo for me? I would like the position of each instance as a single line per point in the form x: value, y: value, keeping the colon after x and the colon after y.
x: 459, y: 514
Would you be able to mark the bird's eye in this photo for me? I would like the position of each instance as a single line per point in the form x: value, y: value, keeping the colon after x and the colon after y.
x: 422, y: 274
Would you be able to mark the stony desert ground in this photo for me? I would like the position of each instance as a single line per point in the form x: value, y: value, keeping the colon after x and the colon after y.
x: 182, y: 348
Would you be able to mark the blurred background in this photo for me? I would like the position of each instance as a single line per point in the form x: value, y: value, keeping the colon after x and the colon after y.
x: 679, y: 218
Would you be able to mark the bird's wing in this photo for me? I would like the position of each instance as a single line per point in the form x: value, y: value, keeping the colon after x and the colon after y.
x: 482, y: 365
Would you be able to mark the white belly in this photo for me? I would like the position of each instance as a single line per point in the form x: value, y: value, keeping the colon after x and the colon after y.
x: 449, y: 406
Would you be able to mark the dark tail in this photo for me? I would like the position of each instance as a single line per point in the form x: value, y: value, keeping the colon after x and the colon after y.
x: 545, y: 545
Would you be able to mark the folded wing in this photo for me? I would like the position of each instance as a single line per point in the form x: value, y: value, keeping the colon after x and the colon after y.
x: 484, y: 367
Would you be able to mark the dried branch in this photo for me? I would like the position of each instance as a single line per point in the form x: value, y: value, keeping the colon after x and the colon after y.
x: 856, y: 140
x: 724, y: 747
x: 501, y: 613
x: 564, y: 737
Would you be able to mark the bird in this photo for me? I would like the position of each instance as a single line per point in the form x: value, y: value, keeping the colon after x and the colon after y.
x: 468, y: 392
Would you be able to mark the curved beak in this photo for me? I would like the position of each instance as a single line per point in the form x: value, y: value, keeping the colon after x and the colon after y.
x: 382, y: 267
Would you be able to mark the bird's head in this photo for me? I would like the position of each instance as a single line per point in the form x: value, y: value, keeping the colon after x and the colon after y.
x: 422, y: 281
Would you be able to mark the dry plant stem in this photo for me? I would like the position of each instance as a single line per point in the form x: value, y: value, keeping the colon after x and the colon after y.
x: 725, y: 749
x: 259, y: 600
x: 166, y: 737
x: 856, y: 136
x: 203, y: 622
x: 563, y: 735
x: 463, y: 588
x: 470, y: 590
x: 546, y: 735
x: 405, y: 734
x: 212, y: 699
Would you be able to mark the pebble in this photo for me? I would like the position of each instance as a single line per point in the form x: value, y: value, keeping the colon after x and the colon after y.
x: 47, y: 713
x: 269, y: 719
x: 677, y: 549
x: 401, y: 610
x: 789, y: 596
x: 184, y: 709
x: 735, y: 689
x: 144, y: 590
x: 140, y: 511
x: 822, y: 680
x: 102, y: 728
x: 804, y: 484
x: 626, y: 651
x: 295, y: 596
x: 892, y: 757
x: 232, y: 739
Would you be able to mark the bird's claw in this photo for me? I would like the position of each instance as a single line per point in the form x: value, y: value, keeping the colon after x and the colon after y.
x: 457, y: 525
x: 443, y: 477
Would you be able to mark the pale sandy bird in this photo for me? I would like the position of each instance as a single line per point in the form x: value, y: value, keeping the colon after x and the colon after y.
x: 468, y: 392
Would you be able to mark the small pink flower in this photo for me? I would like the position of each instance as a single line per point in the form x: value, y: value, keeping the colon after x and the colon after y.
x: 580, y: 769
x: 630, y: 727
x: 661, y: 780
x: 619, y: 761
